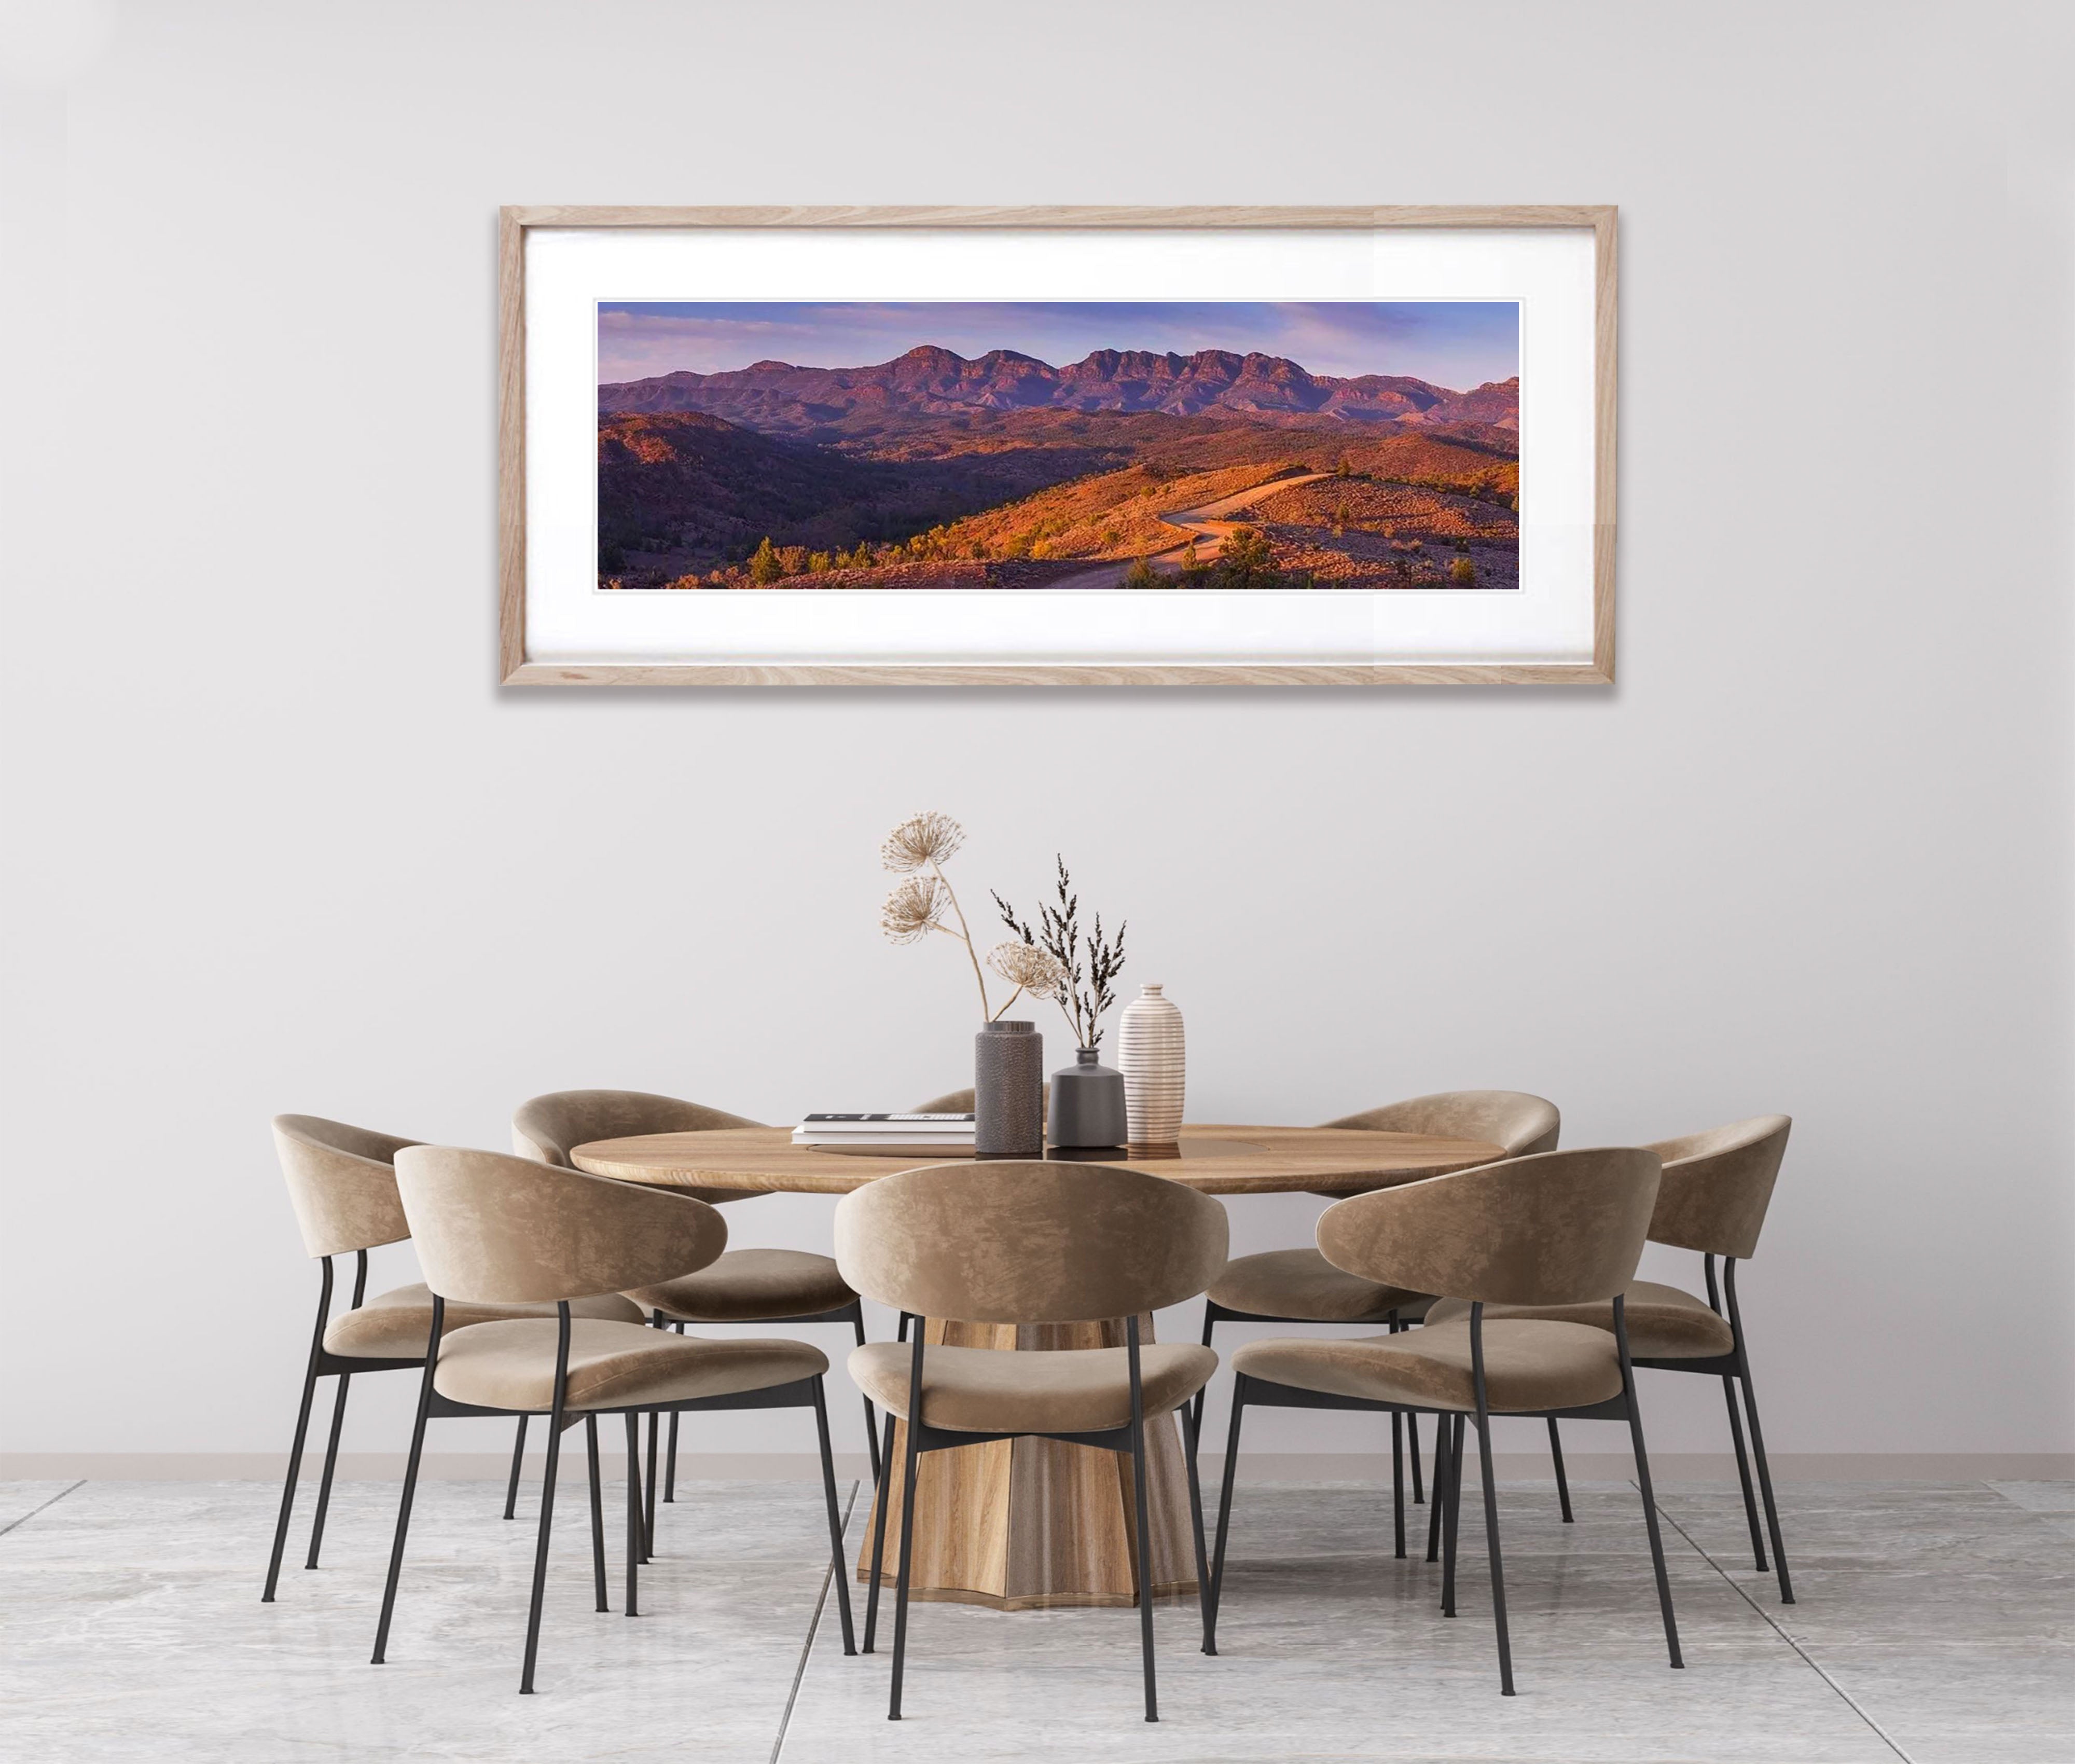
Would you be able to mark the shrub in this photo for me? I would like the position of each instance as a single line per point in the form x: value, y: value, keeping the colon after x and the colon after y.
x: 1463, y: 573
x: 764, y: 568
x: 1247, y: 560
x: 1142, y: 574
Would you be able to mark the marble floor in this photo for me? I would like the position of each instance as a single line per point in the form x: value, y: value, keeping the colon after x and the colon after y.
x: 1936, y: 1623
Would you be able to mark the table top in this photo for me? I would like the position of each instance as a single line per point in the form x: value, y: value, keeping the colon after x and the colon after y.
x: 1213, y: 1160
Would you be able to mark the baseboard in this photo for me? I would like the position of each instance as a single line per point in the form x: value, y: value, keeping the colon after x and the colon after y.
x: 1254, y: 1467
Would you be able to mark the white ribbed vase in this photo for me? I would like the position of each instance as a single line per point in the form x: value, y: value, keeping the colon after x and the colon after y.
x: 1150, y: 1054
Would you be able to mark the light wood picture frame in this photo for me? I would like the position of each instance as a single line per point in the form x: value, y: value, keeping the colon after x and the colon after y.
x: 534, y: 649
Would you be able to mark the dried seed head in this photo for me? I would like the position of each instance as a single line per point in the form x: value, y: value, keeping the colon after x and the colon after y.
x: 1039, y: 972
x: 921, y: 839
x: 913, y: 908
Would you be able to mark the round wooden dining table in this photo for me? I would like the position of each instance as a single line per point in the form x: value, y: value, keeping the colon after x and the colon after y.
x: 1027, y: 1523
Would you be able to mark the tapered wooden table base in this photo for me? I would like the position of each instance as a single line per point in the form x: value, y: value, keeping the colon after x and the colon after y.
x: 1021, y: 1524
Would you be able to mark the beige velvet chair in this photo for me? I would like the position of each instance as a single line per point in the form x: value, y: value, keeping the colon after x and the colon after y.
x: 343, y: 1185
x: 1011, y: 1242
x: 763, y: 1286
x: 1300, y: 1286
x: 498, y: 1230
x: 1557, y: 1228
x: 1717, y: 1186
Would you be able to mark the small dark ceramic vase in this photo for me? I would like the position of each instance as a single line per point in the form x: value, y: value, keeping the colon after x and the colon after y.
x: 1087, y: 1104
x: 1008, y: 1092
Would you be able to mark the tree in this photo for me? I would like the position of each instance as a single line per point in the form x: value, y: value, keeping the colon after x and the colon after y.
x: 1247, y: 560
x: 1342, y: 469
x: 764, y: 568
x: 1192, y: 566
x: 1341, y: 517
x: 1139, y: 575
x: 1462, y: 573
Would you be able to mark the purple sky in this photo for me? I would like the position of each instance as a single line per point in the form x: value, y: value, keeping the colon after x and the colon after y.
x: 1457, y: 343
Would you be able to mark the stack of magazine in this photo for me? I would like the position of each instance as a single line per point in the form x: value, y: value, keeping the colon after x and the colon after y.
x: 951, y: 1134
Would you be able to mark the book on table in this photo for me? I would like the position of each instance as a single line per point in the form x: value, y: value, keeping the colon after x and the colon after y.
x: 884, y: 1129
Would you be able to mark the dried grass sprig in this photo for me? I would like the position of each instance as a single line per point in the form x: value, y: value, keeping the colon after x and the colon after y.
x: 1082, y: 994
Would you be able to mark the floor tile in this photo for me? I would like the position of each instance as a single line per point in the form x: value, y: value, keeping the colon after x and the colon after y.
x: 1935, y: 1623
x: 2039, y: 1496
x: 19, y: 1500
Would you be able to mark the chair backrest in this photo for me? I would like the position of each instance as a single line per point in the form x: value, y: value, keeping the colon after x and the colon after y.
x: 503, y: 1231
x: 341, y: 1183
x: 1017, y: 1242
x: 1521, y: 1123
x: 1717, y: 1185
x: 950, y: 1103
x: 1552, y: 1228
x: 549, y: 1128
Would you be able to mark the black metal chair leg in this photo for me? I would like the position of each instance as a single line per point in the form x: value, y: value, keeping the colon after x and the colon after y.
x: 1224, y: 1514
x: 649, y: 1498
x: 670, y: 1452
x: 1563, y: 1482
x: 597, y: 1513
x: 330, y: 1464
x: 1644, y: 1483
x: 1144, y: 1540
x: 410, y: 1482
x: 1196, y: 1530
x: 1209, y: 1324
x: 634, y: 1526
x: 907, y: 1559
x: 842, y: 1574
x: 1765, y: 1491
x: 561, y: 1390
x: 302, y: 1433
x: 289, y: 1486
x: 870, y: 1419
x: 1437, y: 1513
x: 1452, y: 1523
x: 1412, y: 1445
x: 881, y: 1500
x: 1744, y: 1475
x: 1397, y: 1484
x: 518, y: 1462
x: 1757, y: 1432
x: 1492, y: 1550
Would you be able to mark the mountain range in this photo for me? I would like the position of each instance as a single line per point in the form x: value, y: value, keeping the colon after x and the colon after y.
x: 930, y: 382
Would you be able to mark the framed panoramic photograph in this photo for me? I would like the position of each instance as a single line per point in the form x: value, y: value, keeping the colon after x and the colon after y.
x: 1057, y: 446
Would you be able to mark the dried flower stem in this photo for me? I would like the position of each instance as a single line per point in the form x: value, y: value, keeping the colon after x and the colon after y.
x: 964, y: 935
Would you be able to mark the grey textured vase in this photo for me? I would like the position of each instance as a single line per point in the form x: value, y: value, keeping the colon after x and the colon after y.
x: 1008, y: 1092
x: 1088, y: 1103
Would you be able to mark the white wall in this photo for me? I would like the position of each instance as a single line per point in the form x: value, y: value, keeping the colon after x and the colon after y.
x: 276, y: 841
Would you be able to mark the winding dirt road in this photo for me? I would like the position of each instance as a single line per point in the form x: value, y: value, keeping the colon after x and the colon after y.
x: 1207, y: 526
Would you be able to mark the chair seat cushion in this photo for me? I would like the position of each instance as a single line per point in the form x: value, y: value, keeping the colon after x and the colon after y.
x: 1663, y: 1323
x: 751, y: 1285
x: 1529, y: 1365
x: 1067, y: 1390
x: 612, y: 1365
x: 394, y: 1326
x: 1302, y: 1284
